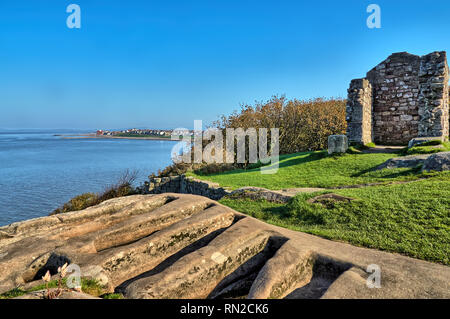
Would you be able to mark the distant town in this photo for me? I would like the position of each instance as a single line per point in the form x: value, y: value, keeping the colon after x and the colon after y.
x: 138, y: 133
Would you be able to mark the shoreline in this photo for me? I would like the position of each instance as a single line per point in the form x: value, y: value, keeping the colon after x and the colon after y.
x: 94, y: 136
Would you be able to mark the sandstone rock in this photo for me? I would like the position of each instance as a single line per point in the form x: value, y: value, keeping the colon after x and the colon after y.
x: 287, y: 269
x: 437, y: 162
x: 337, y: 144
x: 187, y: 246
x: 233, y: 254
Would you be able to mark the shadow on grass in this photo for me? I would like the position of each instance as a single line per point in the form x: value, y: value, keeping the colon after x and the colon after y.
x: 283, y: 163
x: 280, y: 212
x: 411, y: 171
x: 310, y: 158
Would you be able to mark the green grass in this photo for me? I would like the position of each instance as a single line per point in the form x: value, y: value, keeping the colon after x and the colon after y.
x: 13, y: 293
x: 89, y: 286
x: 112, y: 296
x: 315, y: 169
x: 411, y: 219
x: 428, y: 148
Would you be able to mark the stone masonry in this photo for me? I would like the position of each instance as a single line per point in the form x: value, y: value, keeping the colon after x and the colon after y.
x: 404, y: 97
x: 184, y: 185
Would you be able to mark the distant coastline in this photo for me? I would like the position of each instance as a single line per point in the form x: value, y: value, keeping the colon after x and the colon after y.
x: 95, y: 136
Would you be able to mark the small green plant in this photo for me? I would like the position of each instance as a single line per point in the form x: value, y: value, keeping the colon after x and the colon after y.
x: 92, y: 287
x: 46, y: 278
x: 112, y: 296
x: 88, y: 286
x: 123, y: 187
x: 62, y: 271
x: 13, y: 293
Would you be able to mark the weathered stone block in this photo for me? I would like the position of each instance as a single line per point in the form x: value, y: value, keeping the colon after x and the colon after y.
x: 337, y: 144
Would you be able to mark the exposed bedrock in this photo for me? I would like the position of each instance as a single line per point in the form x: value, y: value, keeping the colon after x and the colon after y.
x: 187, y: 246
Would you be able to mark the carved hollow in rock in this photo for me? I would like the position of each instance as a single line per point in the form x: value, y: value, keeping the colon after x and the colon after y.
x: 188, y: 246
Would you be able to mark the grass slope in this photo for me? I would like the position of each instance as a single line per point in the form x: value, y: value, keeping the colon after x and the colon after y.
x: 315, y: 169
x: 412, y: 218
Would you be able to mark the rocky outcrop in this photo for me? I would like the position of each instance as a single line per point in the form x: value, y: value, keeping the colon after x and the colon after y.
x: 404, y: 161
x: 430, y: 162
x: 186, y: 246
x: 276, y: 196
x: 437, y: 162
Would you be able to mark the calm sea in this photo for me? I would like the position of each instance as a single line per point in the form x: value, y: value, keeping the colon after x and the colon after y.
x: 40, y: 171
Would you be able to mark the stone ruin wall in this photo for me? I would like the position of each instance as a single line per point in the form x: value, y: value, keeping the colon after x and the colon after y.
x: 434, y: 95
x: 359, y: 111
x: 404, y: 97
x: 395, y: 85
x: 185, y: 185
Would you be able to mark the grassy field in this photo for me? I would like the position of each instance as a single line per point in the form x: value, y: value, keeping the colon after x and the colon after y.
x: 412, y: 218
x: 408, y: 213
x: 316, y: 169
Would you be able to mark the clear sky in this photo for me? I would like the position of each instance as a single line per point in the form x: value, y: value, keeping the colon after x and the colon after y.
x: 163, y: 64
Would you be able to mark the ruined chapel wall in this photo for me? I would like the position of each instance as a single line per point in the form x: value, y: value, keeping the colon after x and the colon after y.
x: 395, y: 84
x: 409, y: 98
x: 359, y: 111
x: 433, y: 98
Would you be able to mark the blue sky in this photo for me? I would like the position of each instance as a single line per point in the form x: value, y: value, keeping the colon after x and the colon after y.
x: 163, y: 64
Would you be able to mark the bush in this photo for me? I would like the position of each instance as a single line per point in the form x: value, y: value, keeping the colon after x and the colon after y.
x: 77, y: 203
x: 173, y: 170
x: 304, y: 125
x: 214, y: 168
x: 123, y: 187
